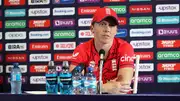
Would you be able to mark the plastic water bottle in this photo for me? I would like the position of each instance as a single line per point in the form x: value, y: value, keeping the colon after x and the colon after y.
x: 90, y: 85
x: 77, y: 79
x: 51, y: 79
x: 16, y: 80
x: 65, y: 78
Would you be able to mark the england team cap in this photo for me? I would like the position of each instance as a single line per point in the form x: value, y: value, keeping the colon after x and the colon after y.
x: 102, y: 13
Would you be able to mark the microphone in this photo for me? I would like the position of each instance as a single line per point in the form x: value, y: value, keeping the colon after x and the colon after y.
x: 81, y: 66
x: 101, y: 54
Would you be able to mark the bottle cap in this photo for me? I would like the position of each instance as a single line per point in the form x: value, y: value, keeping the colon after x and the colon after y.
x: 65, y: 65
x: 15, y: 64
x: 90, y: 68
x: 51, y: 64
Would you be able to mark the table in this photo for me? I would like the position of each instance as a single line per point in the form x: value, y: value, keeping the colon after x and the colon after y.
x: 104, y: 97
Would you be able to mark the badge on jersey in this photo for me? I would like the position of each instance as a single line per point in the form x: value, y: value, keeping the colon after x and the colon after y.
x: 114, y: 65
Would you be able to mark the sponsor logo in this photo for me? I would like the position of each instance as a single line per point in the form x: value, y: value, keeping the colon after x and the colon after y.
x: 15, y: 13
x: 22, y: 67
x: 168, y: 55
x: 40, y: 46
x: 114, y: 0
x: 75, y: 54
x: 146, y: 67
x: 1, y: 79
x: 37, y: 80
x: 0, y: 13
x: 15, y: 47
x: 167, y: 20
x: 16, y: 57
x: 40, y: 57
x: 38, y: 68
x: 138, y: 0
x: 84, y: 22
x: 168, y: 66
x: 121, y: 33
x: 143, y: 32
x: 63, y: 1
x: 119, y: 9
x: 122, y: 21
x: 140, y: 9
x: 87, y: 10
x: 64, y: 45
x: 39, y: 12
x: 64, y: 23
x: 168, y: 32
x: 63, y: 11
x: 1, y: 46
x: 39, y: 23
x: 39, y: 34
x: 38, y: 2
x: 60, y: 34
x: 139, y: 44
x: 146, y: 79
x: 24, y: 80
x: 88, y: 1
x: 167, y: 8
x: 168, y: 43
x: 168, y: 78
x: 15, y: 24
x: 1, y: 68
x: 0, y: 35
x: 14, y: 2
x: 145, y: 55
x: 15, y: 35
x: 62, y: 57
x: 85, y: 34
x: 0, y: 24
x: 1, y: 57
x: 141, y: 20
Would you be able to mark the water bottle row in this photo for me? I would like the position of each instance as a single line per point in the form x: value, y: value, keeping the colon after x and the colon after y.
x: 69, y: 83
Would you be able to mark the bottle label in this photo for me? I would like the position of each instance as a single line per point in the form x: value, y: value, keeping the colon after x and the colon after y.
x: 66, y: 80
x: 90, y: 83
x: 76, y: 83
x: 16, y: 77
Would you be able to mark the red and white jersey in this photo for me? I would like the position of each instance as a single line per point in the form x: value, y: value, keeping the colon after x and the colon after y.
x: 120, y: 55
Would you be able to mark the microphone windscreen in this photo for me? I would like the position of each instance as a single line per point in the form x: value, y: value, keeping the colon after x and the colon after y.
x: 102, y: 52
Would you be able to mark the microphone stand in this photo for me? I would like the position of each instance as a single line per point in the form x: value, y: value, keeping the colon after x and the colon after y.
x: 100, y: 76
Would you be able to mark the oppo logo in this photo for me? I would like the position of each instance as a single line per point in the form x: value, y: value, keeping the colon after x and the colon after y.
x: 15, y: 35
x: 22, y: 67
